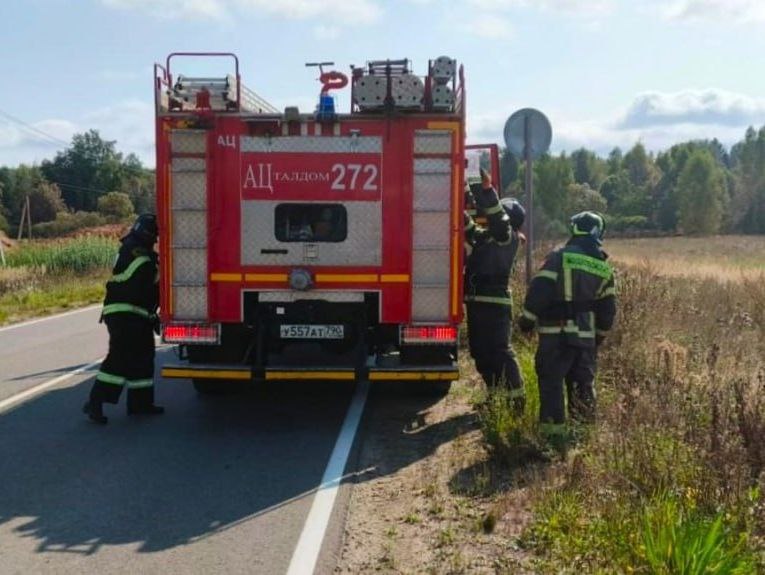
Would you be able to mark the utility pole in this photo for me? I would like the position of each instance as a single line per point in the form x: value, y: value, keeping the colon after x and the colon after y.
x: 26, y: 214
x: 29, y: 218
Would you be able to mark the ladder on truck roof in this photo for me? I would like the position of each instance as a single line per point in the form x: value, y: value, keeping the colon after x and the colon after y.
x: 189, y: 93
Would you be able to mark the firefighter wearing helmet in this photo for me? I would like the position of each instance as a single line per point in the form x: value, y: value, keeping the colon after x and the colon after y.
x: 487, y: 275
x: 572, y: 303
x: 132, y: 297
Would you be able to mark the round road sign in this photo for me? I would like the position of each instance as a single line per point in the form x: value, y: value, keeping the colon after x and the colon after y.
x: 540, y: 133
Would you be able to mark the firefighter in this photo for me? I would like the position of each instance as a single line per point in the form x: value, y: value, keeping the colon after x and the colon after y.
x: 487, y: 275
x: 571, y: 301
x: 132, y: 296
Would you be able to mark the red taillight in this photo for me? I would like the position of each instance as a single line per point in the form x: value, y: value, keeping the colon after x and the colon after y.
x: 436, y: 334
x: 203, y: 333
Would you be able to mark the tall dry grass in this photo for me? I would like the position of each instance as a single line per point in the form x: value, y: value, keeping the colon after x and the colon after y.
x: 674, y: 468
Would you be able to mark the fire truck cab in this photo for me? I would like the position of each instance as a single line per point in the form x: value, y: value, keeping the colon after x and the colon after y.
x: 283, y: 231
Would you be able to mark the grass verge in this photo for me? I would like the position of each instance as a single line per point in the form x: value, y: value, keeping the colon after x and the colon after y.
x: 49, y: 295
x: 669, y: 479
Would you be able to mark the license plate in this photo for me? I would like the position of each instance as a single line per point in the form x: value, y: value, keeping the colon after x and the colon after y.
x: 311, y: 331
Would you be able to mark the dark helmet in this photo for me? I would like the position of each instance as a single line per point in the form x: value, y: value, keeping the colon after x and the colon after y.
x: 514, y: 211
x: 588, y: 224
x: 145, y: 229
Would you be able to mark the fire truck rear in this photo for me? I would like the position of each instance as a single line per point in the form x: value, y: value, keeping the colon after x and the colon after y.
x: 321, y: 245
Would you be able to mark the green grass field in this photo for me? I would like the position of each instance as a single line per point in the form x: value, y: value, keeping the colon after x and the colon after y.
x: 44, y: 277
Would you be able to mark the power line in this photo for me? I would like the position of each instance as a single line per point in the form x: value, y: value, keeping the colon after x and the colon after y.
x: 34, y: 130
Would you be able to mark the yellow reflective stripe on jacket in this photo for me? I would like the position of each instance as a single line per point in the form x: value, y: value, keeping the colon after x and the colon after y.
x: 587, y: 264
x: 130, y: 270
x: 470, y: 225
x: 139, y: 383
x: 125, y: 308
x: 489, y: 299
x: 495, y: 209
x: 569, y: 328
x: 528, y: 315
x: 110, y: 378
x: 607, y: 292
x: 505, y: 243
x: 549, y: 274
x: 516, y: 392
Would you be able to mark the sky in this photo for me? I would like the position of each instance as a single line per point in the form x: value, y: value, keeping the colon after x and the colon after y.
x: 606, y: 72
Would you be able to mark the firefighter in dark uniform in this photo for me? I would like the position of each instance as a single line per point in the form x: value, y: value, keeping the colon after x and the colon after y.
x: 487, y: 275
x: 572, y: 303
x: 132, y: 297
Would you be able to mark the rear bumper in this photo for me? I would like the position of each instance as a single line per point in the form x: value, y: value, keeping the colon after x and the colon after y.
x: 242, y: 373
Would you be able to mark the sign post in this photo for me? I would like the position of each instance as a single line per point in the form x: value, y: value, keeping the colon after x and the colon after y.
x: 528, y: 135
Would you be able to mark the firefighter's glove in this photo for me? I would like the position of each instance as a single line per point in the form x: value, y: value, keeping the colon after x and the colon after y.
x: 485, y: 178
x: 469, y: 198
x: 525, y: 324
x: 486, y: 198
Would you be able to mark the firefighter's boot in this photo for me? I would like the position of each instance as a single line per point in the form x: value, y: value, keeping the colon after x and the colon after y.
x: 141, y: 402
x: 94, y: 410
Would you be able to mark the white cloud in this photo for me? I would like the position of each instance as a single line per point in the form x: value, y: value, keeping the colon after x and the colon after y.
x: 702, y: 107
x: 355, y: 12
x: 326, y: 32
x: 716, y: 10
x: 45, y: 134
x: 335, y: 11
x: 585, y: 8
x: 174, y: 9
x: 659, y: 120
x: 130, y: 123
x: 489, y: 26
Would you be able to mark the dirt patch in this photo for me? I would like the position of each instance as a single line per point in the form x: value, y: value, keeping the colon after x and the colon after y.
x: 427, y: 498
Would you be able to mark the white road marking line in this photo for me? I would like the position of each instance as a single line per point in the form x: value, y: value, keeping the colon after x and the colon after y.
x: 306, y: 552
x: 38, y: 389
x: 46, y: 318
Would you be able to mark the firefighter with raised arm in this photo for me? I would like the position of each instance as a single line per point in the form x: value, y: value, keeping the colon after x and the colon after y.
x: 132, y: 297
x: 572, y: 303
x: 487, y: 275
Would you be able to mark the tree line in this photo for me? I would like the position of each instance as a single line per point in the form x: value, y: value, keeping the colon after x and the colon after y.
x: 695, y: 187
x: 88, y: 183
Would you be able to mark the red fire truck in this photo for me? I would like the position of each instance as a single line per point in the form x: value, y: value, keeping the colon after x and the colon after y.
x: 340, y: 232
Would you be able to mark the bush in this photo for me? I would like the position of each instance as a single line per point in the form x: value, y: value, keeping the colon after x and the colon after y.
x: 627, y: 223
x: 115, y: 206
x: 66, y: 223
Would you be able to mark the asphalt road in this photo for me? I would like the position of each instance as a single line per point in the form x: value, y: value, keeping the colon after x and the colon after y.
x: 216, y: 485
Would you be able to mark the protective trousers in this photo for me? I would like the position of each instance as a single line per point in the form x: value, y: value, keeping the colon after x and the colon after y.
x: 129, y: 363
x: 489, y: 342
x: 557, y: 362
